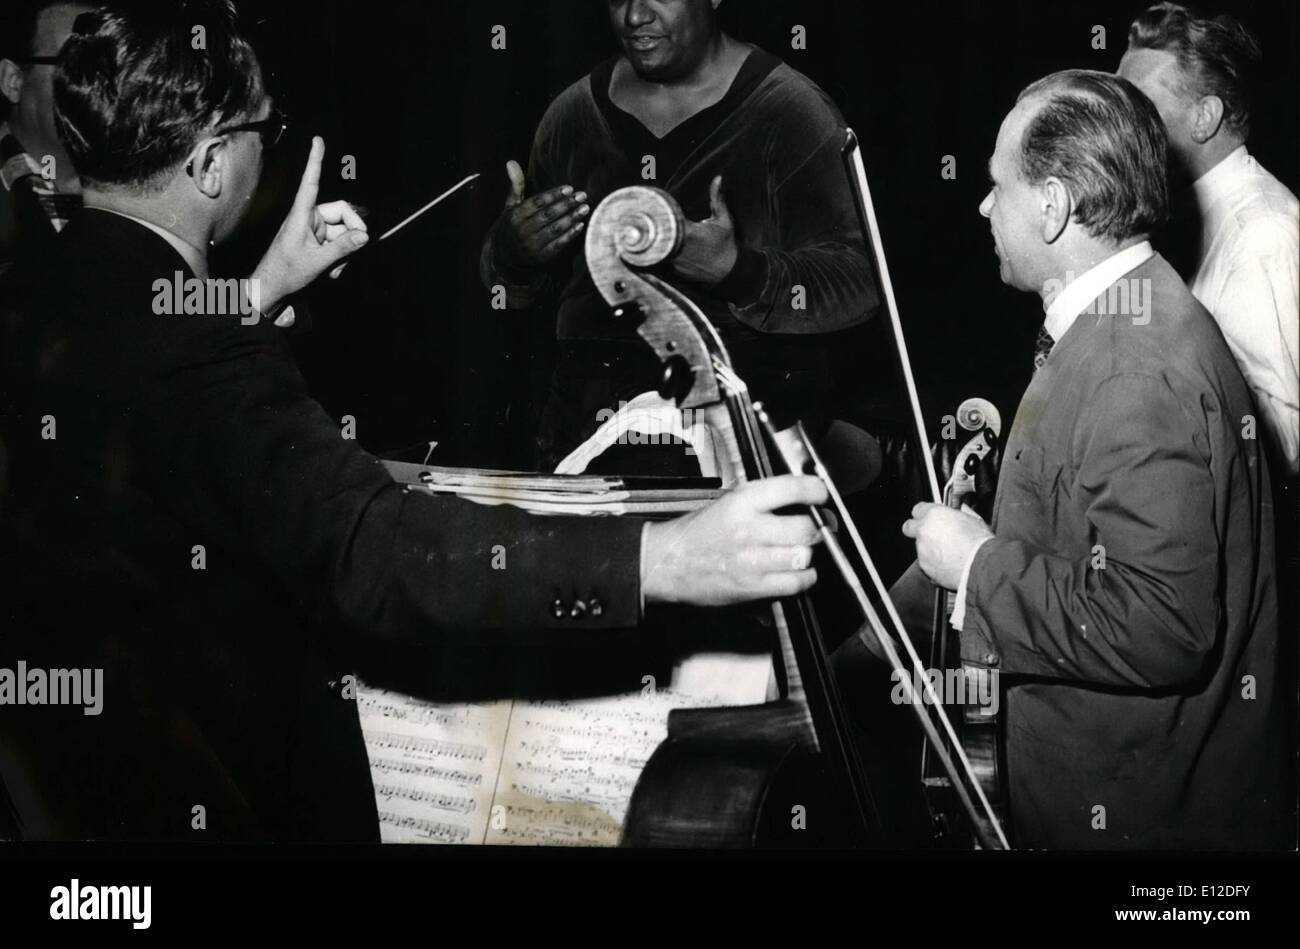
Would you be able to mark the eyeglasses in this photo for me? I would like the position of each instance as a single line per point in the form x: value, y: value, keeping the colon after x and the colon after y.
x: 271, y: 128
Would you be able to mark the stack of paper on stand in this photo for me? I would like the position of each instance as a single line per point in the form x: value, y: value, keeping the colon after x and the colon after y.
x: 562, y: 494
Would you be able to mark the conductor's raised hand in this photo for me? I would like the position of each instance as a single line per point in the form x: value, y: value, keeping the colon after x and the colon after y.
x: 534, y: 231
x: 314, y: 238
x: 738, y: 548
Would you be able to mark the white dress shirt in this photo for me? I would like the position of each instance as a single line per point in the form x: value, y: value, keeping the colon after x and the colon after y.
x: 1248, y: 277
x: 1062, y: 309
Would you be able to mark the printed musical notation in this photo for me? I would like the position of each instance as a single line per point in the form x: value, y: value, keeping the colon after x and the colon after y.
x: 434, y: 767
x: 531, y: 773
x: 419, y: 830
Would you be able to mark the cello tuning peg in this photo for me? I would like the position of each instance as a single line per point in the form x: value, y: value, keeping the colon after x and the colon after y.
x: 677, y: 379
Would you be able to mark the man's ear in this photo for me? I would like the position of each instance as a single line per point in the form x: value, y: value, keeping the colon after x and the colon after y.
x: 11, y: 80
x: 1206, y: 119
x: 1056, y: 207
x: 207, y: 165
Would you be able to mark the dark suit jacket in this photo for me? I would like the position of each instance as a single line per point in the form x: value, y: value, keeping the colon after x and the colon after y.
x: 1142, y: 699
x: 225, y: 686
x: 1145, y: 683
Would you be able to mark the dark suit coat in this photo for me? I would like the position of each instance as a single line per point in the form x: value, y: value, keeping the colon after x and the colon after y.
x: 224, y: 687
x: 1148, y: 686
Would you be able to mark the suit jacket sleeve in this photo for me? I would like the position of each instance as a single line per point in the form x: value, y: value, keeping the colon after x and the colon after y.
x: 257, y: 469
x: 1146, y: 614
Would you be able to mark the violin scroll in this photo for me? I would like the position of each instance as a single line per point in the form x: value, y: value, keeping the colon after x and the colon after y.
x: 975, y: 414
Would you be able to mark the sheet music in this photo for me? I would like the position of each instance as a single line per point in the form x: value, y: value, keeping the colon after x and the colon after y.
x: 434, y: 767
x: 569, y: 768
x: 529, y: 773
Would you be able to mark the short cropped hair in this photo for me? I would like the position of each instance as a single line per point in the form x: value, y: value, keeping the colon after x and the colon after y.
x: 1104, y: 139
x: 1217, y: 56
x: 139, y: 84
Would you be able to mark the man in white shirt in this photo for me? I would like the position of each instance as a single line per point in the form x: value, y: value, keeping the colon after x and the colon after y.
x: 1241, y: 224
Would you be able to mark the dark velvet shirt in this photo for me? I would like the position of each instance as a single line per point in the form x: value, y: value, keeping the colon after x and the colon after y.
x: 776, y: 139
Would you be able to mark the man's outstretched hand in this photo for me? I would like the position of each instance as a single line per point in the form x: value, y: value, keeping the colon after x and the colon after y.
x: 314, y: 238
x: 534, y: 231
x: 736, y: 549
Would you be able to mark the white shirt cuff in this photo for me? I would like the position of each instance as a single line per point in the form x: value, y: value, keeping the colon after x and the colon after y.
x: 959, y: 609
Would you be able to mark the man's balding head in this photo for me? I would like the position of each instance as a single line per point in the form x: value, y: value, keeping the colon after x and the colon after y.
x: 1080, y: 160
x: 1100, y: 136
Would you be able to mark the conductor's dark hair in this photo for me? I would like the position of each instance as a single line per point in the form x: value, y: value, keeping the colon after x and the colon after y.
x: 1217, y: 56
x: 1104, y: 139
x: 138, y: 85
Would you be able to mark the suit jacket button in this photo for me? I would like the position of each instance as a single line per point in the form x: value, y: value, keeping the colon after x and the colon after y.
x: 579, y: 608
x: 595, y: 606
x: 558, y: 610
x: 991, y: 659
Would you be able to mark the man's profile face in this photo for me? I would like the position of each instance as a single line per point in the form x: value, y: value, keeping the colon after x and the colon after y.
x: 663, y: 39
x: 35, y: 106
x: 1156, y: 73
x: 1014, y: 207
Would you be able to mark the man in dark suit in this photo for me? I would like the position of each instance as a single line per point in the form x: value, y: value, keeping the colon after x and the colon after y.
x: 189, y: 521
x: 1125, y: 590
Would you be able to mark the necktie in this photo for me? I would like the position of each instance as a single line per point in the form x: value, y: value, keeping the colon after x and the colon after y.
x: 1043, y: 344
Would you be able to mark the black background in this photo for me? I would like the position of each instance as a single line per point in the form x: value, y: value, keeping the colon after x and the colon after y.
x: 407, y: 341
